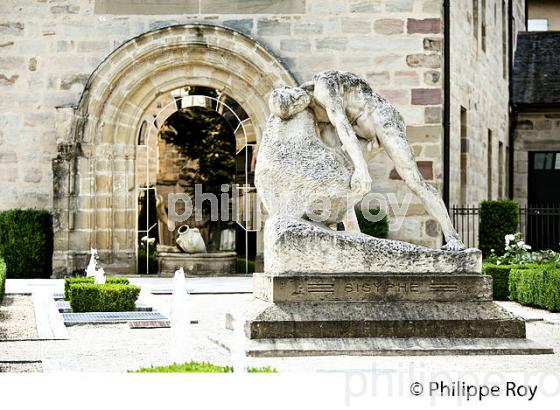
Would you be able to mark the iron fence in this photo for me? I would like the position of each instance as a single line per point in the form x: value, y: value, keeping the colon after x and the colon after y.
x: 539, y: 225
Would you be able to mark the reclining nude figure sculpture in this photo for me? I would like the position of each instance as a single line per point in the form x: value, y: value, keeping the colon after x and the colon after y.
x: 344, y: 123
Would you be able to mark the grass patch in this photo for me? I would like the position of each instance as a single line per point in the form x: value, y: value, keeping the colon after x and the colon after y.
x: 200, y: 367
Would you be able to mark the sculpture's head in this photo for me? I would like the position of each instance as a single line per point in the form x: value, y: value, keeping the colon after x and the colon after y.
x: 286, y: 102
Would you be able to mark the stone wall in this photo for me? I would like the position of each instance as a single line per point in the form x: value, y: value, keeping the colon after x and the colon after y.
x: 479, y: 86
x: 536, y: 131
x: 49, y: 50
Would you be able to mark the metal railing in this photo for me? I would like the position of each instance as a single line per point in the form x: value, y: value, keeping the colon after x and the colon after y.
x: 539, y: 225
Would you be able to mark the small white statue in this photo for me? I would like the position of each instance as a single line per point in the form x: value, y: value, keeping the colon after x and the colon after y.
x: 99, y: 277
x: 92, y: 265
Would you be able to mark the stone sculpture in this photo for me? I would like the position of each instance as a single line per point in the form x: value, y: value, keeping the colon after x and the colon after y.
x: 356, y: 112
x: 304, y: 174
x: 329, y: 292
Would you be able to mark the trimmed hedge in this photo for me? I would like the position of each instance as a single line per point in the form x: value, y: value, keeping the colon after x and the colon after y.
x: 26, y: 243
x: 89, y: 279
x: 2, y: 279
x: 538, y: 287
x: 378, y: 229
x: 500, y: 277
x: 497, y: 219
x: 88, y: 297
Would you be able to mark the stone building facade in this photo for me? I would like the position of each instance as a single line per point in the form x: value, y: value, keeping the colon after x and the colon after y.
x: 536, y: 101
x: 76, y: 78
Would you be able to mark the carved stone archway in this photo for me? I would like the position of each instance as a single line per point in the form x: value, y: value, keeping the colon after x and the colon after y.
x: 94, y: 195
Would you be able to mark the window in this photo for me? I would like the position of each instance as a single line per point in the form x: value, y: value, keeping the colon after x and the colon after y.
x: 504, y: 40
x: 475, y: 18
x: 547, y: 160
x: 537, y: 25
x: 501, y: 170
x: 464, y: 151
x: 489, y: 162
x: 483, y: 25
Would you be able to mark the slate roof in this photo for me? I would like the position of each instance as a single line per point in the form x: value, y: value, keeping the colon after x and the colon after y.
x: 536, y: 70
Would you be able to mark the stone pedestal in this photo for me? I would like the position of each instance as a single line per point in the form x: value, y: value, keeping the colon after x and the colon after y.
x: 377, y: 305
x: 375, y: 314
x: 337, y: 293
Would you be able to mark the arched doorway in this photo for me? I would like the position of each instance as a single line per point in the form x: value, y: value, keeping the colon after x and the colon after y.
x: 196, y: 141
x: 95, y: 172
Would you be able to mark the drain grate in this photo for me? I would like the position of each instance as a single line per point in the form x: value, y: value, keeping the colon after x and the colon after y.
x: 64, y: 307
x: 108, y: 317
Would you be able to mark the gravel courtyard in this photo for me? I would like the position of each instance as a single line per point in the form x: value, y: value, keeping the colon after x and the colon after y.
x: 117, y: 348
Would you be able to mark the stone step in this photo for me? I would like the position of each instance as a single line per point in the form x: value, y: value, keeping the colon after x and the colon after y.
x: 388, y: 347
x: 372, y: 287
x: 370, y: 319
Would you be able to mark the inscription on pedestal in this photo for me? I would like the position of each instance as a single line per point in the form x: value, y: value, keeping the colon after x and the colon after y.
x: 378, y: 288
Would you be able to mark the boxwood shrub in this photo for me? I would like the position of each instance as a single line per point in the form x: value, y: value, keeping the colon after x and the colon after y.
x: 378, y: 229
x: 89, y: 279
x: 2, y: 279
x: 538, y: 287
x: 500, y: 277
x: 88, y: 297
x: 26, y: 243
x: 497, y: 219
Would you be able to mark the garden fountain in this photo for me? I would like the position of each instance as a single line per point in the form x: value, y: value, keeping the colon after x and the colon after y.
x: 237, y: 350
x: 181, y: 350
x: 91, y: 268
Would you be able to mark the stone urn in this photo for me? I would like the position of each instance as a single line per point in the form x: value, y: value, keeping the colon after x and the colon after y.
x: 190, y: 240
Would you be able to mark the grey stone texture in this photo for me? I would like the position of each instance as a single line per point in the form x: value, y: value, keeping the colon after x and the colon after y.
x: 293, y: 245
x: 392, y: 347
x: 371, y: 287
x: 387, y: 320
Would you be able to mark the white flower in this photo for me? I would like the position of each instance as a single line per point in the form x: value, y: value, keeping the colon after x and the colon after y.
x: 509, y: 237
x: 527, y: 246
x: 520, y: 244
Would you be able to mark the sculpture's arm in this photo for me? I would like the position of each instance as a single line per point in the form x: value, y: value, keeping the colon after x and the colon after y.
x: 361, y: 180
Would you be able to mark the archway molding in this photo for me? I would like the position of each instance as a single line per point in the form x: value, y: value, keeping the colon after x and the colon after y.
x: 94, y: 171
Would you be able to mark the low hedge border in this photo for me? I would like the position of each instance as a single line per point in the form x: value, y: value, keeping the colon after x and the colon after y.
x: 500, y: 277
x: 89, y: 279
x: 2, y: 279
x: 539, y: 287
x: 109, y: 297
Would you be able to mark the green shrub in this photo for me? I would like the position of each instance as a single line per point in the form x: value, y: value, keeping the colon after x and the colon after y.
x: 26, y: 243
x: 497, y: 219
x: 88, y: 297
x: 153, y: 263
x: 2, y: 279
x: 70, y: 281
x: 244, y: 265
x: 201, y: 367
x: 500, y: 277
x: 538, y: 287
x: 378, y: 229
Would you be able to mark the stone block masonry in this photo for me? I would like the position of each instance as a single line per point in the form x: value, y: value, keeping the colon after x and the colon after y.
x: 49, y: 50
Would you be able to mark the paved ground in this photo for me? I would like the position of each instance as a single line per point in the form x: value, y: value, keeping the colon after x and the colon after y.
x: 117, y: 348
